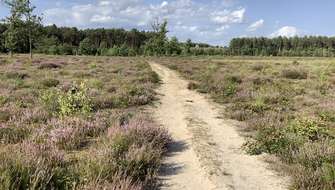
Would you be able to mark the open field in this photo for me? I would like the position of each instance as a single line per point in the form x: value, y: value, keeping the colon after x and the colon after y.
x: 78, y: 123
x: 286, y: 107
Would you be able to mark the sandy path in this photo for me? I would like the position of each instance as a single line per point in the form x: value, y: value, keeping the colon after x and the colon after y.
x: 207, y: 150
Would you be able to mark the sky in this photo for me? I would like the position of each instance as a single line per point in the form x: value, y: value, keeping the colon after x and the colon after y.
x: 210, y: 21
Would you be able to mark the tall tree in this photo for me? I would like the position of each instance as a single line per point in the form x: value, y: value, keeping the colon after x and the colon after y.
x: 156, y: 45
x: 32, y: 21
x: 14, y: 23
x: 22, y: 18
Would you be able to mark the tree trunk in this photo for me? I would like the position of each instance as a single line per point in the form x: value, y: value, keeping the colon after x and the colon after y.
x: 30, y: 45
x: 11, y: 54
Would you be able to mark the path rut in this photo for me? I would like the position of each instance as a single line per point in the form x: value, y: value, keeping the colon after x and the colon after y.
x: 206, y: 153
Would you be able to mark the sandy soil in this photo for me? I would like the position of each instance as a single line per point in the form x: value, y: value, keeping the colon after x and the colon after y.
x: 206, y: 153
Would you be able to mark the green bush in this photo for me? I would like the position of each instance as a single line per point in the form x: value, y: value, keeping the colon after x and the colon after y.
x: 310, y: 128
x: 76, y: 100
x: 50, y: 102
x: 268, y: 140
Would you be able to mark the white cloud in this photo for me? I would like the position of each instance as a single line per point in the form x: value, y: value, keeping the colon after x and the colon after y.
x: 222, y: 28
x: 256, y: 25
x: 228, y: 17
x: 101, y: 19
x: 211, y: 18
x: 287, y: 31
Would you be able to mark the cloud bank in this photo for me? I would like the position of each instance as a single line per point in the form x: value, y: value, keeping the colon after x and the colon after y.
x: 198, y: 20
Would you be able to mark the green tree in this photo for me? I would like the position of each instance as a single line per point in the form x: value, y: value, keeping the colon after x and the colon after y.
x: 23, y: 20
x: 157, y: 44
x: 86, y: 47
x: 32, y: 21
x: 173, y: 47
x: 14, y: 23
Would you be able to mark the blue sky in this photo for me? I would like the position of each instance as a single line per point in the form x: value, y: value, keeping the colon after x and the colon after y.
x: 210, y: 21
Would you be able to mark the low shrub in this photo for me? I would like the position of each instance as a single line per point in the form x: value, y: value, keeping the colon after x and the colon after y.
x: 14, y: 134
x: 48, y: 83
x: 16, y: 75
x: 314, y: 165
x: 268, y: 140
x: 73, y: 133
x: 3, y: 100
x: 133, y: 150
x: 328, y: 116
x: 192, y: 85
x: 4, y: 116
x: 258, y: 67
x: 75, y: 100
x: 119, y: 183
x: 49, y: 66
x: 49, y: 99
x: 32, y: 166
x: 311, y: 128
x: 294, y: 74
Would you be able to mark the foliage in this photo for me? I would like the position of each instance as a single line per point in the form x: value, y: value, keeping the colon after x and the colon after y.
x: 283, y: 46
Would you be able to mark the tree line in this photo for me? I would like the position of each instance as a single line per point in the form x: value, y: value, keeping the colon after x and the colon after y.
x: 22, y: 32
x: 320, y: 46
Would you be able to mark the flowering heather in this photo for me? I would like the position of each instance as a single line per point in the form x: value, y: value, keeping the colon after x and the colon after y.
x: 51, y: 130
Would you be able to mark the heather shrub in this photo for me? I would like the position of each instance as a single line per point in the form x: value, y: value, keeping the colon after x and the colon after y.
x: 192, y: 86
x: 13, y: 135
x: 4, y: 116
x: 48, y: 83
x: 32, y: 166
x: 314, y: 165
x: 258, y: 67
x: 134, y: 150
x: 73, y: 133
x: 294, y: 74
x: 119, y: 183
x: 49, y: 66
x: 16, y: 75
x: 3, y: 100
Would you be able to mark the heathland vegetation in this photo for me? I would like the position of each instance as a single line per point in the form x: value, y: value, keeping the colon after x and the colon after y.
x: 286, y: 105
x: 76, y: 123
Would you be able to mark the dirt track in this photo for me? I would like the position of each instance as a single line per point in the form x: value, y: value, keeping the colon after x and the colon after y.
x: 207, y: 151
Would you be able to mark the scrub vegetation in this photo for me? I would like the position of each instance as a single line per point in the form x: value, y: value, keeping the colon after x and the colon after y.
x: 287, y: 108
x: 77, y: 123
